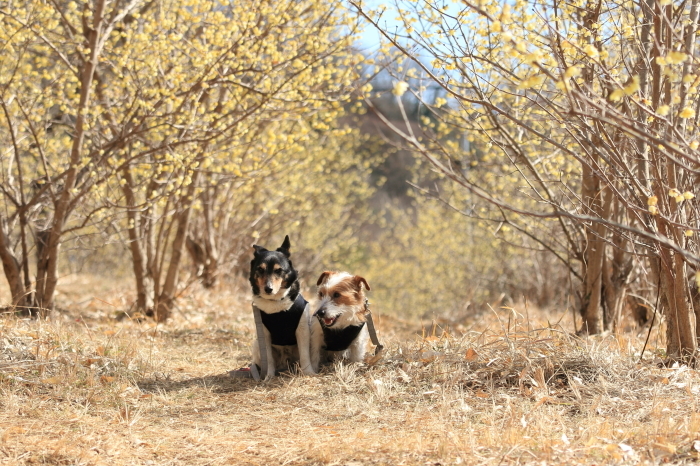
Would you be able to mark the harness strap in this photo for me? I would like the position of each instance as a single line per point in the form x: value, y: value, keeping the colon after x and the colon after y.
x: 372, y: 331
x: 259, y: 330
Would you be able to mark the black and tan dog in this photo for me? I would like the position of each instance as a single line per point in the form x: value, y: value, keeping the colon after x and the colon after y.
x: 284, y: 311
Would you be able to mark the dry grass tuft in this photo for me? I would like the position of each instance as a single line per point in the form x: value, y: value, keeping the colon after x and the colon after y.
x: 89, y: 389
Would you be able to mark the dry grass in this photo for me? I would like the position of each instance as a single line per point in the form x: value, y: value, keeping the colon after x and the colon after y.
x: 88, y: 389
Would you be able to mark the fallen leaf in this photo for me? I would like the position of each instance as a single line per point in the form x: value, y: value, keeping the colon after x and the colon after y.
x: 372, y: 360
x: 12, y: 430
x: 543, y: 400
x: 428, y: 356
x: 107, y: 379
x: 626, y: 448
x: 52, y: 380
x: 482, y: 394
x: 667, y: 447
x: 471, y: 355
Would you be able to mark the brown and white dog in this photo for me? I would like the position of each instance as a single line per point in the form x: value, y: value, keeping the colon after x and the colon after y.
x: 339, y: 329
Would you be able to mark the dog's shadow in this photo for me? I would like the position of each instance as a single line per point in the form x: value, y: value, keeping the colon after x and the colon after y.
x: 219, y: 383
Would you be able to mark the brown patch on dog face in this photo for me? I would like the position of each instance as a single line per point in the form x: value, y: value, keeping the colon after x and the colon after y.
x: 359, y: 281
x: 324, y: 276
x: 344, y: 292
x: 276, y: 282
x: 265, y: 277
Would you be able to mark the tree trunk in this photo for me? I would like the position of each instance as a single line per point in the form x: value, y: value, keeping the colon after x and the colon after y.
x: 144, y: 292
x: 681, y: 342
x: 166, y: 298
x: 11, y: 267
x: 593, y: 251
x: 201, y: 244
x: 47, y: 281
x: 616, y: 271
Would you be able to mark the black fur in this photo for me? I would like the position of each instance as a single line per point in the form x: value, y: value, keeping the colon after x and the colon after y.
x: 270, y: 259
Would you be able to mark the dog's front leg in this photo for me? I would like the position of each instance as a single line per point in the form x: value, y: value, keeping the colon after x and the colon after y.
x: 316, y: 343
x: 303, y: 334
x: 358, y: 348
x: 271, y: 363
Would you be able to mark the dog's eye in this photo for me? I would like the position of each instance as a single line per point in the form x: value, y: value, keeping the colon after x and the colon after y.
x: 278, y: 272
x: 320, y: 295
x: 336, y: 295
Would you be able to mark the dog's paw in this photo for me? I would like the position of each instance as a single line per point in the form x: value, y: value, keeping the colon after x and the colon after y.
x: 309, y: 371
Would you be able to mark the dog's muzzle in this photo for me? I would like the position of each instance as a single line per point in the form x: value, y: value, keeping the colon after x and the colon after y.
x: 321, y: 312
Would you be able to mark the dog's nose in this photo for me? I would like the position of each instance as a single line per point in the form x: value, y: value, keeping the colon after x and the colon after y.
x: 268, y: 289
x: 321, y: 312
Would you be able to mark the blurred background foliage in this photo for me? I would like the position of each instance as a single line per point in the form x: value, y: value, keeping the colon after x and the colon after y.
x: 244, y: 135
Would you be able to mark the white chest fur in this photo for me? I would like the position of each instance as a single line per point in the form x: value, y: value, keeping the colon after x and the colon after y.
x: 271, y: 306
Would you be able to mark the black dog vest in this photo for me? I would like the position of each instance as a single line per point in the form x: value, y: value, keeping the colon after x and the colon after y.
x: 283, y: 325
x: 340, y: 340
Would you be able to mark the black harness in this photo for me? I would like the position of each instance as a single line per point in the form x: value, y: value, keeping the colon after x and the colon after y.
x: 283, y: 325
x: 340, y: 340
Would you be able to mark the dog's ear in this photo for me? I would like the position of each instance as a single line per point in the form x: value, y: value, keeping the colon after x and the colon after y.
x: 323, y: 278
x: 284, y: 249
x: 258, y: 250
x: 359, y: 281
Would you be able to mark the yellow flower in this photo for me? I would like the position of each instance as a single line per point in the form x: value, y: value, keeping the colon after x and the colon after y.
x: 663, y: 110
x: 675, y: 58
x: 694, y: 145
x: 652, y: 201
x: 572, y: 71
x: 689, y: 233
x: 687, y: 112
x: 688, y: 195
x: 653, y: 210
x: 632, y: 87
x: 617, y: 95
x: 400, y: 88
x: 674, y: 193
x: 591, y: 51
